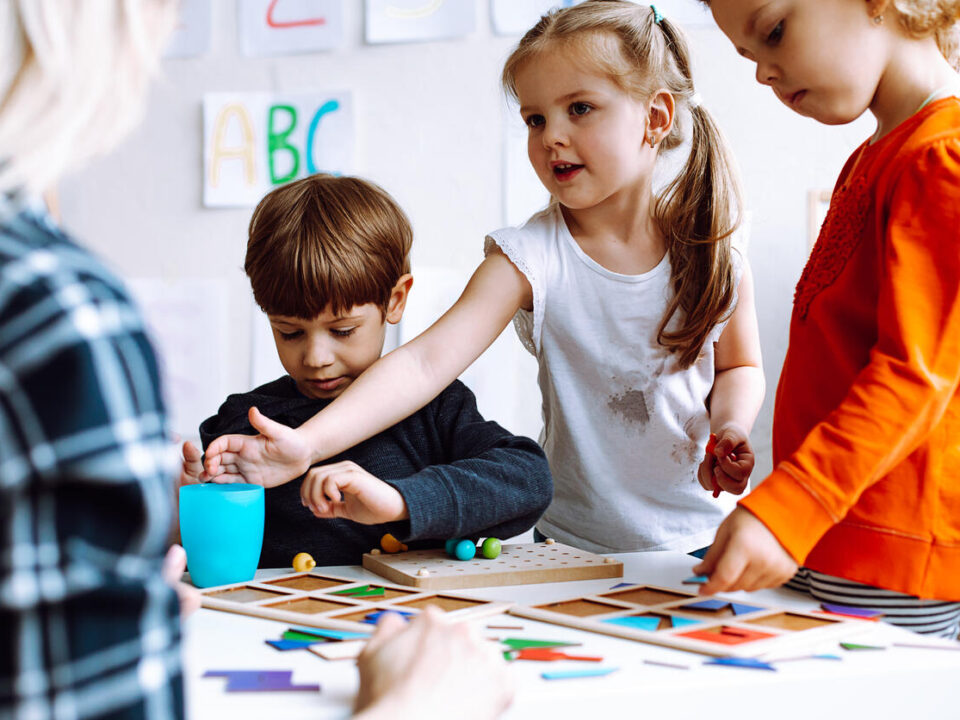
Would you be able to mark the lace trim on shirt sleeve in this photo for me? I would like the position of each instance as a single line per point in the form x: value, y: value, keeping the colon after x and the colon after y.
x: 526, y: 323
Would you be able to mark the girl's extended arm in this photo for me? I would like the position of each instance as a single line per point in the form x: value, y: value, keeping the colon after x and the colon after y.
x: 391, y: 389
x: 737, y: 394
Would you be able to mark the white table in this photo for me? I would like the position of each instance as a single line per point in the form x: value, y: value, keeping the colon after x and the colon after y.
x: 898, y: 683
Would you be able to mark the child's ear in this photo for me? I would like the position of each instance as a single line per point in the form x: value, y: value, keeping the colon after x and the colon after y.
x: 660, y: 112
x: 398, y: 299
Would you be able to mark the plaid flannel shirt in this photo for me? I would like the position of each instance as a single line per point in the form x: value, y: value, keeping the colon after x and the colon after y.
x: 88, y: 628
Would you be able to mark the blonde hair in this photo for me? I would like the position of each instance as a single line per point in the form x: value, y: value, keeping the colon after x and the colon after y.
x: 73, y: 75
x: 699, y: 210
x: 326, y: 241
x: 937, y: 18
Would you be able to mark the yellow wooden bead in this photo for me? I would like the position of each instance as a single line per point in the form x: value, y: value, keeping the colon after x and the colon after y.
x: 390, y: 544
x: 303, y: 562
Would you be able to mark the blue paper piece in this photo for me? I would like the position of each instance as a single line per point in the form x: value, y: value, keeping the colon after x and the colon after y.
x: 750, y: 663
x: 332, y: 634
x: 622, y: 585
x: 293, y: 644
x: 712, y: 604
x: 741, y: 609
x: 259, y: 680
x: 679, y: 622
x: 586, y: 672
x: 638, y: 623
x: 696, y: 580
x: 851, y: 611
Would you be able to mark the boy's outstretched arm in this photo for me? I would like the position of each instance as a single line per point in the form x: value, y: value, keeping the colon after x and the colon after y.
x: 737, y: 394
x: 395, y: 386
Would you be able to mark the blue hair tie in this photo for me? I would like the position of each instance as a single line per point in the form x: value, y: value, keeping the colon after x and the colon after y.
x: 657, y: 17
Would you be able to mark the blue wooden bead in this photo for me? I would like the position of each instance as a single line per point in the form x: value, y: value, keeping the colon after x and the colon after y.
x: 449, y: 546
x: 465, y: 550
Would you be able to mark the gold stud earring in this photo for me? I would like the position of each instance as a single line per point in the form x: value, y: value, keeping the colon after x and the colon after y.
x: 650, y: 140
x: 878, y: 19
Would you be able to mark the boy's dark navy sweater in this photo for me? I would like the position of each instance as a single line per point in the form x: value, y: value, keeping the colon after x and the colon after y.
x: 460, y: 475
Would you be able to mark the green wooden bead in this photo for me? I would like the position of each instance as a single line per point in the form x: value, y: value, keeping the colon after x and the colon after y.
x: 490, y: 548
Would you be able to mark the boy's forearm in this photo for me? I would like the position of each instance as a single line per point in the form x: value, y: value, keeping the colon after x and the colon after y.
x: 736, y: 397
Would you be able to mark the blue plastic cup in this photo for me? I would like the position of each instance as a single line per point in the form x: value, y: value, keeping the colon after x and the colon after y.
x: 221, y: 527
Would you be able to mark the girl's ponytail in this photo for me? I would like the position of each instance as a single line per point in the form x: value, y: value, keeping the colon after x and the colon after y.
x: 698, y: 213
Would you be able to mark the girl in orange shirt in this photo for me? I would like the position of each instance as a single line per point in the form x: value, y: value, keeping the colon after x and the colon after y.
x: 866, y: 487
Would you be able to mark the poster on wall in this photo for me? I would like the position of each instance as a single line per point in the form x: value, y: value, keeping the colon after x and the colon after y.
x: 253, y: 142
x: 288, y: 27
x: 191, y: 36
x: 515, y: 17
x: 395, y: 21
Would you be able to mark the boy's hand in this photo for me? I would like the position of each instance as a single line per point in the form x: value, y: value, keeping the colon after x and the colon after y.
x: 429, y: 666
x: 346, y: 490
x: 729, y: 466
x: 275, y: 456
x: 191, y: 471
x: 744, y: 556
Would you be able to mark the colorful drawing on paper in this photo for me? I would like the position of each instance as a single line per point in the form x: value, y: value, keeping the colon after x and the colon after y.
x: 395, y: 21
x: 287, y: 27
x: 255, y: 141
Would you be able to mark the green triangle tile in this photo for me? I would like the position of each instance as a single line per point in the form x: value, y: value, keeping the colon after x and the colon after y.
x: 854, y: 646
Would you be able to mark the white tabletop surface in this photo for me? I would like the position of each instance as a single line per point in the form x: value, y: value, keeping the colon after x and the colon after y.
x: 898, y: 682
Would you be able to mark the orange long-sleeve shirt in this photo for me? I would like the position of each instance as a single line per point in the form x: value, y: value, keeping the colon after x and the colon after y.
x: 866, y: 435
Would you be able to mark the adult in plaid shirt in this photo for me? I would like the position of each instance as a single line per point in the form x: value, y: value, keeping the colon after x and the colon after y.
x: 88, y: 626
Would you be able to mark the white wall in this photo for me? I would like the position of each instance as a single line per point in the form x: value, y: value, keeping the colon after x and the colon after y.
x: 429, y: 128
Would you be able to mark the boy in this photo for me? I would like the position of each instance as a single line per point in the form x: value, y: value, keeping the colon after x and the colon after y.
x: 327, y: 259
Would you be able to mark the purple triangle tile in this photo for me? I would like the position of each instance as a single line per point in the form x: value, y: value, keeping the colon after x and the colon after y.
x: 850, y: 611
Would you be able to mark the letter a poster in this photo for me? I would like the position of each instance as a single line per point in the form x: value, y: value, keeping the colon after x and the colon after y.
x: 253, y: 142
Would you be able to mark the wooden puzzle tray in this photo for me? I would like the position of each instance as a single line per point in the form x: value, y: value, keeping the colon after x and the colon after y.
x: 708, y: 625
x: 316, y: 599
x: 519, y: 564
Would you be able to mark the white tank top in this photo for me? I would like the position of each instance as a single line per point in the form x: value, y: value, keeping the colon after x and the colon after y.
x: 624, y: 426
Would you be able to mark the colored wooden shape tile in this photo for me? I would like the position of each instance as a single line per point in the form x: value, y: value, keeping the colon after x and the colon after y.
x: 749, y: 663
x: 260, y: 681
x: 741, y: 609
x: 570, y: 674
x: 286, y: 644
x: 711, y: 604
x: 849, y: 611
x: 649, y: 623
x: 696, y: 580
x: 726, y: 635
x: 522, y: 643
x: 331, y: 634
x: 856, y: 646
